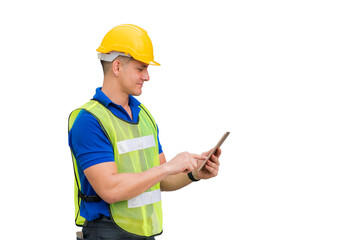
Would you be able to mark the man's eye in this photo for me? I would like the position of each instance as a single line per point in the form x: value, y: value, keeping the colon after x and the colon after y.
x: 140, y: 69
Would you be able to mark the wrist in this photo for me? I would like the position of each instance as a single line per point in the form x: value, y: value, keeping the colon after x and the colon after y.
x: 192, y: 177
x: 165, y: 169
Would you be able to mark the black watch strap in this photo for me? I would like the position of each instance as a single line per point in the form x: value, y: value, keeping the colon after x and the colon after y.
x: 191, y: 176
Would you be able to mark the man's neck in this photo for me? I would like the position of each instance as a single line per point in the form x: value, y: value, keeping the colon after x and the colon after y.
x: 115, y: 94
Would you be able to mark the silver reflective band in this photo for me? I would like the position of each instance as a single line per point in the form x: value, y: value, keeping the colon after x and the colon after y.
x: 109, y: 57
x: 145, y: 199
x: 135, y: 144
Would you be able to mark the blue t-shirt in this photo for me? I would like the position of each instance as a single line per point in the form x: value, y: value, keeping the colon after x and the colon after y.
x: 90, y: 146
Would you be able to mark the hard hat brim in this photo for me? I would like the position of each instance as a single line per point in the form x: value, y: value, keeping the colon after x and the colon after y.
x: 154, y: 63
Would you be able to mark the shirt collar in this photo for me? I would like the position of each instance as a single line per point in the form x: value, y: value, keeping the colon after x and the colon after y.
x: 104, y: 100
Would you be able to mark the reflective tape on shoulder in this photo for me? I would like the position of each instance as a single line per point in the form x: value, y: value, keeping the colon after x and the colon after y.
x: 135, y: 144
x: 145, y: 199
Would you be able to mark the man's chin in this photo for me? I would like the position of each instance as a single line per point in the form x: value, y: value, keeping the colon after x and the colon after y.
x: 137, y: 93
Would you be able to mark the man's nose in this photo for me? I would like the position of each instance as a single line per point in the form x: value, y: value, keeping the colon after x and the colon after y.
x: 146, y: 76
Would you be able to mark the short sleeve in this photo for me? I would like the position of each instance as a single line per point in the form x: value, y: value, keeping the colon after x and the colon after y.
x: 158, y: 139
x: 89, y: 142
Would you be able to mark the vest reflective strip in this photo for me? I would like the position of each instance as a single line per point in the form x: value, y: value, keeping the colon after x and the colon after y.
x: 145, y: 199
x: 135, y: 144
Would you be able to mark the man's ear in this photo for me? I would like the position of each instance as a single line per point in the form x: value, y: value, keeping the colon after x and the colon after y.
x: 117, y: 67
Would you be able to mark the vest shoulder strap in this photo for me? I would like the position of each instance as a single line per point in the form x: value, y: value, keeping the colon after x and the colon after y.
x: 149, y: 115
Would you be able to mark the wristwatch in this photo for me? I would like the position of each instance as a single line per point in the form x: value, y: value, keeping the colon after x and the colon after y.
x: 191, y: 176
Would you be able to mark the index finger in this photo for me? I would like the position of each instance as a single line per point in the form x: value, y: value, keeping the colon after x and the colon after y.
x: 218, y: 152
x: 198, y: 157
x: 215, y: 157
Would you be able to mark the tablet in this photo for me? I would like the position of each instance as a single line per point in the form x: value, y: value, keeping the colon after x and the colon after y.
x: 214, y: 150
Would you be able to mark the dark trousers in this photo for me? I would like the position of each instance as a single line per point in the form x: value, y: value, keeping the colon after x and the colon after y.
x: 105, y: 229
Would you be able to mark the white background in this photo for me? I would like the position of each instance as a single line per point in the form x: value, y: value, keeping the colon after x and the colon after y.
x: 281, y: 76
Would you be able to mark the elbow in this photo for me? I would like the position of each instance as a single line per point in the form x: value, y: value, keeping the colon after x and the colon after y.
x: 112, y: 196
x: 108, y: 198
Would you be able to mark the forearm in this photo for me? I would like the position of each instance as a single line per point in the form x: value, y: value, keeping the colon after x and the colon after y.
x: 175, y: 182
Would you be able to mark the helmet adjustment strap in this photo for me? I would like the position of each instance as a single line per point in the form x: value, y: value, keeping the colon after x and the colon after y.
x: 109, y: 57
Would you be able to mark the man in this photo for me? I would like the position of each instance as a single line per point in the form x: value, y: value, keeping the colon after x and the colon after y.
x: 120, y: 168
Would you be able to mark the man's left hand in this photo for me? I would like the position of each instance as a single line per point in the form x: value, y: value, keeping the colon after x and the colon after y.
x: 211, y: 168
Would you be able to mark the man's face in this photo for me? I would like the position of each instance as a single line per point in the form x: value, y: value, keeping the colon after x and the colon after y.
x: 133, y: 76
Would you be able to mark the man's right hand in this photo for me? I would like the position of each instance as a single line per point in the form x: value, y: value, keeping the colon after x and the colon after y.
x: 183, y: 163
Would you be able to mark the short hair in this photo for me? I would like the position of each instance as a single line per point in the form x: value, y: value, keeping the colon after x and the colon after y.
x: 106, y: 66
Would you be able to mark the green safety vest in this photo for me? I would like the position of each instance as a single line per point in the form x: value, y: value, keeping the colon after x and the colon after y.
x: 135, y: 149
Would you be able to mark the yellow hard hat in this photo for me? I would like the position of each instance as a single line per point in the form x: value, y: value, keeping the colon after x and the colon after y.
x: 125, y: 40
